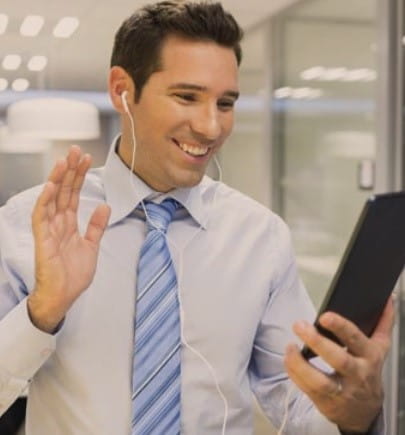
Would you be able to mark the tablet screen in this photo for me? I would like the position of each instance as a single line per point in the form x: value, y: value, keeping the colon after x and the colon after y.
x: 370, y: 267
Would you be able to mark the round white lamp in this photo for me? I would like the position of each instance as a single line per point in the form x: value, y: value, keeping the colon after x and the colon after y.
x: 54, y: 119
x: 23, y: 144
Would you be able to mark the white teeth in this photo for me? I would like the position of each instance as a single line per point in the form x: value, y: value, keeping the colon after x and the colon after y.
x: 193, y: 150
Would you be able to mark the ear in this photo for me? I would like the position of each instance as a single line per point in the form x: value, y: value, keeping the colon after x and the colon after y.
x: 118, y: 82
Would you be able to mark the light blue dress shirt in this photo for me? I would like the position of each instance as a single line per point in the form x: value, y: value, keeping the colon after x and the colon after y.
x: 240, y: 294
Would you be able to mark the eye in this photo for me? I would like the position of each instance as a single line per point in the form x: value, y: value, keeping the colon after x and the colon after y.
x: 226, y: 104
x: 187, y: 97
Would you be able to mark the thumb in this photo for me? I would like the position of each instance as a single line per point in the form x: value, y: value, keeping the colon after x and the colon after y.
x: 383, y: 330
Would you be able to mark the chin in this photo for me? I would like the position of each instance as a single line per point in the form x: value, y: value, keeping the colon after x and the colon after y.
x: 189, y: 181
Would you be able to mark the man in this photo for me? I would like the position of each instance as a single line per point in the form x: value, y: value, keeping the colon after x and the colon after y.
x: 72, y: 292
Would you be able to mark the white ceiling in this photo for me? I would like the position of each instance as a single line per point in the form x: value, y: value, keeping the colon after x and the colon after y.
x: 81, y: 63
x: 347, y: 10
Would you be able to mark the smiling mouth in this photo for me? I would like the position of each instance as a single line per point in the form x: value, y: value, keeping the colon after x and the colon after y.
x: 193, y: 150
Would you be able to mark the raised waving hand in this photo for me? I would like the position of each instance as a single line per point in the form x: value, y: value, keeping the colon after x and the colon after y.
x: 65, y: 260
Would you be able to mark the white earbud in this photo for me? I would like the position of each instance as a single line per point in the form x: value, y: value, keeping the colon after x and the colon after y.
x: 124, y: 101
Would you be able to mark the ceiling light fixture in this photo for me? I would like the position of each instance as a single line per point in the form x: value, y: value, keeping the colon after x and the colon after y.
x: 333, y: 74
x: 300, y: 93
x: 14, y: 143
x: 284, y: 92
x: 54, y: 119
x: 66, y: 27
x: 20, y: 85
x: 313, y: 73
x: 297, y: 93
x: 3, y: 84
x: 31, y: 25
x: 12, y: 62
x: 361, y: 75
x: 37, y: 63
x: 339, y: 74
x: 3, y: 23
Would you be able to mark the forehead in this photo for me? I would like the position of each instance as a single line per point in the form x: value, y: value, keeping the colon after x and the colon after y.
x: 199, y: 62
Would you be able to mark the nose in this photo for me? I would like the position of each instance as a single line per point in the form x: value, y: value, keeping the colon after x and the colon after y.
x: 206, y: 123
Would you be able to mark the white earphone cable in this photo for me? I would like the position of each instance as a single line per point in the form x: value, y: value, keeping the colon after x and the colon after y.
x: 218, y: 167
x: 286, y: 409
x: 180, y: 272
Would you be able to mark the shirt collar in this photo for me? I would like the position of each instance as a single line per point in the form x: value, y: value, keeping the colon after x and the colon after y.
x: 125, y: 190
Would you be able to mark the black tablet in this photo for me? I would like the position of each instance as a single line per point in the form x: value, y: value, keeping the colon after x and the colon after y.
x: 370, y: 267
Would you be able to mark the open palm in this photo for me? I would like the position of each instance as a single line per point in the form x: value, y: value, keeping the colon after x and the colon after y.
x: 65, y: 261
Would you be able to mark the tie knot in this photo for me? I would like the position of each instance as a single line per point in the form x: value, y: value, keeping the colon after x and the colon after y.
x: 160, y: 215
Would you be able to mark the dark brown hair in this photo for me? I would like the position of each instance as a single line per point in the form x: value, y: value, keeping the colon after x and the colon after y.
x: 138, y: 42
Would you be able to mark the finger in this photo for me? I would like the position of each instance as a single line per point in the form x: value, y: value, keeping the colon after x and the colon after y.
x: 386, y: 321
x: 40, y: 212
x: 56, y: 177
x: 334, y: 354
x: 65, y: 189
x: 348, y: 333
x: 81, y: 172
x: 383, y: 330
x: 308, y: 378
x: 98, y: 223
x: 58, y: 171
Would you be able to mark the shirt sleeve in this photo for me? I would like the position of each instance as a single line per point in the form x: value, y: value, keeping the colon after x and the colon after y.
x: 288, y: 302
x: 23, y: 347
x: 23, y: 350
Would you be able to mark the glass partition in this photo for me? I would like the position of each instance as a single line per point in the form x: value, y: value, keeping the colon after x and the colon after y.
x: 338, y: 136
x: 324, y: 127
x: 305, y: 140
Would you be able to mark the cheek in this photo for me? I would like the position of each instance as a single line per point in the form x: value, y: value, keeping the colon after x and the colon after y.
x: 227, y: 125
x: 168, y: 115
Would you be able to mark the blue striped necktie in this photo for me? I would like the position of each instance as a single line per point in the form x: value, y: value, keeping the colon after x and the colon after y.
x: 156, y: 365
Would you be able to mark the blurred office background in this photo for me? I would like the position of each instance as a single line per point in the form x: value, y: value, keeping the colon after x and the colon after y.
x: 318, y: 126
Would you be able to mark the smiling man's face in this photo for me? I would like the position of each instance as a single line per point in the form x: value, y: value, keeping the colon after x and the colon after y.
x: 185, y: 113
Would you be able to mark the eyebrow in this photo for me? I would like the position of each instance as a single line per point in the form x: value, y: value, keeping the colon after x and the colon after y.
x: 192, y: 87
